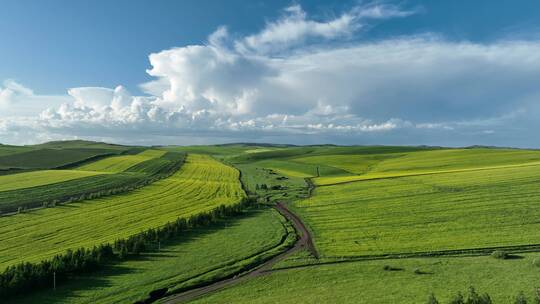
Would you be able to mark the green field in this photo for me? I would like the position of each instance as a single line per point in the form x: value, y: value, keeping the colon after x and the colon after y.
x: 352, y: 164
x: 367, y: 282
x: 32, y: 189
x: 427, y: 162
x: 406, y: 207
x: 198, y: 252
x: 121, y: 163
x: 474, y: 209
x: 35, y: 196
x: 40, y: 178
x: 406, y: 202
x: 200, y: 185
x: 51, y: 158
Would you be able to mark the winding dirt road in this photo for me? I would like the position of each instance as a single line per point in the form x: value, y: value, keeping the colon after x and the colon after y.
x: 305, y: 241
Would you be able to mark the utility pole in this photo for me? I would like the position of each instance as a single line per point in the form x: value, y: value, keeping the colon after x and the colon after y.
x: 54, y: 280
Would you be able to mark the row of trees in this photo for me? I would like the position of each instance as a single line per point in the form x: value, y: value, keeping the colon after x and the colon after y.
x: 473, y: 297
x: 265, y: 187
x: 29, y: 276
x: 25, y: 276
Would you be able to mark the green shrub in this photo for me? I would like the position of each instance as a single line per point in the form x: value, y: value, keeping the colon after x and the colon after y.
x: 536, y: 299
x: 499, y: 254
x: 458, y: 299
x: 432, y: 299
x: 520, y: 299
x: 474, y: 298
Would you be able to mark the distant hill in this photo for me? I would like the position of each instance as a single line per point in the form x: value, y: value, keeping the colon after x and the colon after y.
x: 76, y: 144
x: 267, y: 145
x: 57, y: 154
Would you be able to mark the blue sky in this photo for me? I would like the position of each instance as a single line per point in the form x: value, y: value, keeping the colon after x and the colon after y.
x: 179, y: 72
x: 54, y: 45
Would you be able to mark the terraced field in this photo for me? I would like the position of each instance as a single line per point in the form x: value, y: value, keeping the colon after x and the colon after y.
x: 474, y: 209
x: 121, y: 163
x: 200, y: 185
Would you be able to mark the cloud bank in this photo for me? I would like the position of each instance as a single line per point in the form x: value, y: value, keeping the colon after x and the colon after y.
x: 301, y: 80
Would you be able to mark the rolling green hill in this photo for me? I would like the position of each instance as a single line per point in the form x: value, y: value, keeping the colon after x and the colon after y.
x: 390, y: 224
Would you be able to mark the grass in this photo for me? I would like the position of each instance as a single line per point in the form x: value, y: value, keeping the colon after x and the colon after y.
x: 200, y: 185
x: 254, y: 174
x: 453, y: 159
x: 305, y: 151
x: 220, y: 151
x: 474, y: 209
x: 121, y: 163
x: 367, y: 282
x: 35, y: 196
x: 40, y: 178
x: 293, y: 168
x: 352, y: 164
x: 198, y: 252
x: 369, y: 201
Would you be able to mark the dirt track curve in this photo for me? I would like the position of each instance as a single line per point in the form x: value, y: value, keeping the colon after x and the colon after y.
x: 304, y: 242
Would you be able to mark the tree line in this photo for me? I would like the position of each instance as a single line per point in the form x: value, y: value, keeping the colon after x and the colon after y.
x: 17, y: 279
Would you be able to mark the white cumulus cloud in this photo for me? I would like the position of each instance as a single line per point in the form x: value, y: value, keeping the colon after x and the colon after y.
x: 303, y: 80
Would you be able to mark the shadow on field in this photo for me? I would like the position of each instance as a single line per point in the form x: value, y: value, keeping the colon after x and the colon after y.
x: 70, y: 290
